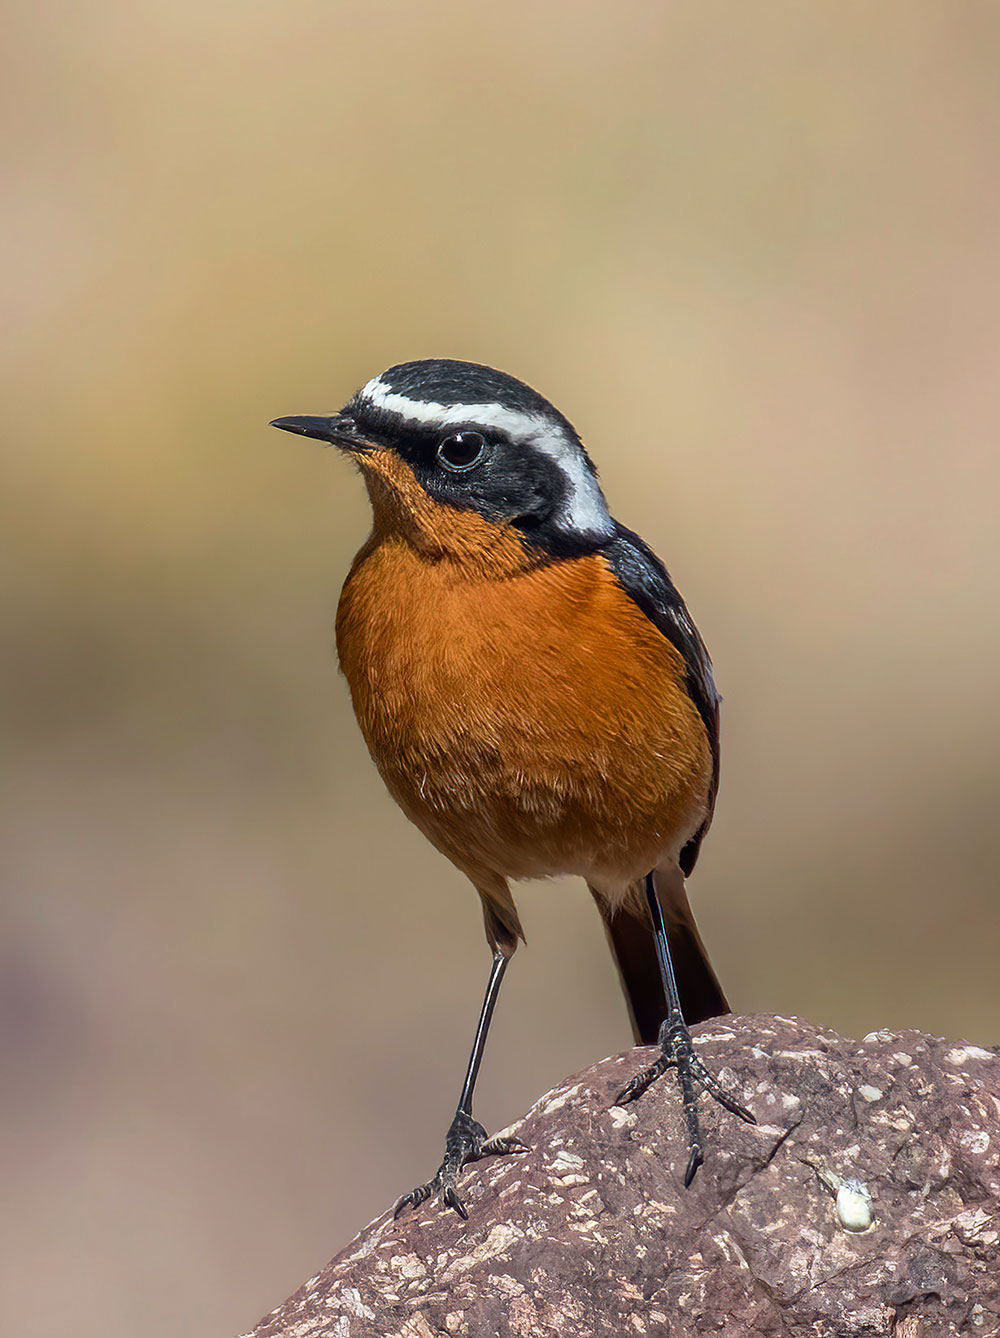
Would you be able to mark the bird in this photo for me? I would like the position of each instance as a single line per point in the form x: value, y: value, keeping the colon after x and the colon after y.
x: 535, y: 696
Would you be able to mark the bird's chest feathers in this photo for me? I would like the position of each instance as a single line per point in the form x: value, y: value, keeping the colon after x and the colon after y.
x: 530, y: 722
x: 434, y: 654
x: 548, y: 674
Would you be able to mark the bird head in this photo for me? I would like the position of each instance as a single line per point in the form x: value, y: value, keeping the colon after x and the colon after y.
x: 457, y: 454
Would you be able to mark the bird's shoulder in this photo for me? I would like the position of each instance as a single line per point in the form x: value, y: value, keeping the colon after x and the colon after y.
x: 646, y: 581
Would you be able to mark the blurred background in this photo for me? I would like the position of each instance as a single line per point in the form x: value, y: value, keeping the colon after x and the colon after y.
x: 753, y: 253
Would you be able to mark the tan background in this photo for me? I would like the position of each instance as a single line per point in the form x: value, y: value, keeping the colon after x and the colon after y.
x: 754, y: 252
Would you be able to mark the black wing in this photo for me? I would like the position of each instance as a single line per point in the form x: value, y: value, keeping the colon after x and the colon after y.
x: 644, y: 579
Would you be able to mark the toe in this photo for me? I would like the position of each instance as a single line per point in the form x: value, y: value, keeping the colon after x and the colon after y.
x: 500, y: 1147
x: 734, y: 1107
x: 415, y: 1198
x: 627, y: 1094
x: 634, y: 1089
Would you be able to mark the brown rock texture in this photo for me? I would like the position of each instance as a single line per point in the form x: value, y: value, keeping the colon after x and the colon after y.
x: 592, y: 1233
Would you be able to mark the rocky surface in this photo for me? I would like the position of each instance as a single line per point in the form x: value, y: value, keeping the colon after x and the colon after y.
x: 866, y: 1201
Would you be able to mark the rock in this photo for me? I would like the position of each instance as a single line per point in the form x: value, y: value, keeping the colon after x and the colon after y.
x: 866, y: 1201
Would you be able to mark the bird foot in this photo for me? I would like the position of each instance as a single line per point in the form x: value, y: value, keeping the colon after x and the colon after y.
x: 465, y: 1141
x: 677, y: 1052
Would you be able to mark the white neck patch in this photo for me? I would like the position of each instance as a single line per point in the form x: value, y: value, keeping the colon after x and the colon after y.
x: 582, y: 512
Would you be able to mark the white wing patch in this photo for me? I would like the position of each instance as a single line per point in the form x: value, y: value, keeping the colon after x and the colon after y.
x: 584, y: 510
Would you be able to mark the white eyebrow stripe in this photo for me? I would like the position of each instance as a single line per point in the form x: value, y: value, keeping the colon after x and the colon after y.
x: 584, y: 510
x: 519, y: 426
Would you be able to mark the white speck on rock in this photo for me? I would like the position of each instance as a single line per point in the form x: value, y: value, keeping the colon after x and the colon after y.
x: 975, y: 1141
x: 868, y: 1093
x: 558, y: 1100
x: 407, y: 1266
x: 500, y: 1239
x: 622, y: 1118
x: 566, y: 1161
x: 975, y: 1227
x: 350, y: 1299
x: 415, y: 1327
x: 508, y: 1285
x: 961, y: 1054
x: 854, y: 1205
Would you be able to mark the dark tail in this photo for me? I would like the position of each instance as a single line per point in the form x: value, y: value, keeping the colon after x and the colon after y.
x: 630, y: 937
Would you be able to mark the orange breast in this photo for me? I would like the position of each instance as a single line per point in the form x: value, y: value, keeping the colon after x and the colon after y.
x: 530, y: 721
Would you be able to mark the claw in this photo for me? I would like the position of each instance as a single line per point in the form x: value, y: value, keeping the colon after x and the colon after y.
x: 696, y: 1159
x: 451, y: 1200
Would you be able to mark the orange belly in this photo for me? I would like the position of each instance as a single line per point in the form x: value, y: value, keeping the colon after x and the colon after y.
x: 529, y: 725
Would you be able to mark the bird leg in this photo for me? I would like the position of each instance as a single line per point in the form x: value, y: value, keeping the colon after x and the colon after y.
x: 466, y: 1139
x: 677, y: 1052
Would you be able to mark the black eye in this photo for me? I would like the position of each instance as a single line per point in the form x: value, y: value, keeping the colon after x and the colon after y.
x: 461, y: 450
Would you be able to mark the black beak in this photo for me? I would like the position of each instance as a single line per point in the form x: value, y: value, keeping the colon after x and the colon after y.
x: 339, y: 429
